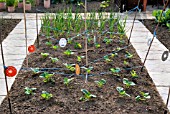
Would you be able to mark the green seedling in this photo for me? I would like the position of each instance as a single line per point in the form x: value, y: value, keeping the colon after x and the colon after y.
x: 87, y: 95
x: 67, y: 81
x: 70, y: 40
x: 88, y: 70
x: 45, y: 95
x: 35, y: 70
x: 44, y: 55
x: 125, y: 62
x: 106, y: 58
x: 77, y: 46
x: 118, y: 49
x: 115, y: 70
x: 104, y: 4
x: 97, y: 45
x: 54, y: 60
x: 113, y: 55
x: 122, y: 92
x: 107, y: 41
x: 55, y: 47
x: 68, y: 52
x: 133, y: 74
x: 128, y: 55
x: 79, y: 58
x: 100, y: 83
x: 29, y: 91
x: 143, y: 96
x: 47, y: 77
x: 128, y: 83
x: 89, y: 40
x: 70, y: 67
x: 49, y: 43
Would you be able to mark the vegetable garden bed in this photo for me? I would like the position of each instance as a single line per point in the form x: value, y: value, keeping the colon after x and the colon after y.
x: 115, y: 83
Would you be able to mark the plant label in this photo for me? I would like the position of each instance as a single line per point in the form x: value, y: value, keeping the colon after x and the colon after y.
x: 63, y: 42
x: 165, y: 55
x: 94, y: 39
x: 99, y: 23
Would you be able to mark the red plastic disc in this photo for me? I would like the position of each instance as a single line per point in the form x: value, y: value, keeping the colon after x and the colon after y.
x: 31, y: 48
x: 10, y: 71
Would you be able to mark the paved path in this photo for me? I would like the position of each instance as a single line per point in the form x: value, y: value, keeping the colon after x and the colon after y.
x: 15, y: 50
x: 157, y: 69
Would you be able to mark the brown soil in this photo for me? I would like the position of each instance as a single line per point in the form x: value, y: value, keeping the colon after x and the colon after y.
x: 162, y: 33
x: 6, y: 26
x: 66, y: 98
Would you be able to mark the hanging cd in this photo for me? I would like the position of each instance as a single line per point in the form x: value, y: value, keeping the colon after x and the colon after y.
x: 165, y: 55
x: 63, y: 42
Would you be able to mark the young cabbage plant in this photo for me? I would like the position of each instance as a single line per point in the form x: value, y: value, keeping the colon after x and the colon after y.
x: 49, y: 43
x: 87, y: 95
x: 122, y: 92
x: 77, y: 45
x: 128, y: 83
x: 68, y: 52
x: 106, y: 58
x: 47, y: 77
x: 70, y: 40
x: 45, y: 55
x: 133, y: 74
x: 115, y: 70
x: 55, y: 47
x: 100, y: 83
x: 29, y: 91
x: 128, y: 55
x: 45, y: 95
x: 97, y: 45
x: 70, y: 66
x: 79, y: 58
x: 54, y: 60
x: 113, y: 55
x: 125, y: 62
x: 88, y: 70
x: 67, y: 81
x: 143, y: 96
x: 107, y: 41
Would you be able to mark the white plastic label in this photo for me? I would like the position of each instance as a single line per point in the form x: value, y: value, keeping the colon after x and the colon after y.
x: 63, y: 42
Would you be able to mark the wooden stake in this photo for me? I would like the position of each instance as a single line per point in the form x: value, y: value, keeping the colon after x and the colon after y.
x: 25, y: 34
x: 85, y: 16
x: 6, y: 82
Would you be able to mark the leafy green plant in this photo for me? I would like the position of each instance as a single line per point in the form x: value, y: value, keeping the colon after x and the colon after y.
x: 47, y: 77
x: 97, y: 45
x: 104, y: 4
x: 49, y: 43
x: 10, y: 2
x: 70, y: 40
x: 107, y: 40
x: 67, y: 81
x: 89, y: 39
x: 115, y: 70
x: 68, y: 52
x: 125, y: 62
x: 29, y: 91
x: 128, y: 83
x: 79, y: 58
x: 113, y: 55
x: 106, y: 58
x: 122, y: 91
x: 100, y: 83
x: 128, y: 55
x: 53, y: 60
x: 88, y: 70
x: 87, y: 95
x: 133, y: 74
x: 70, y: 67
x: 55, y: 47
x: 77, y: 45
x: 164, y: 19
x: 45, y: 95
x: 143, y: 96
x: 45, y: 55
x: 121, y: 25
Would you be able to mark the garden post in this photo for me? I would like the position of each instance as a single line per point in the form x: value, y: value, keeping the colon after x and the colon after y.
x: 144, y: 5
